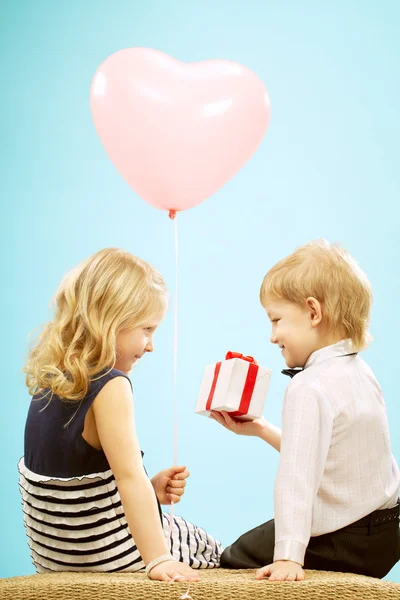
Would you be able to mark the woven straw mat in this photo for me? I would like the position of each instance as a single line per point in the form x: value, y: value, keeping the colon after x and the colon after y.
x: 219, y: 584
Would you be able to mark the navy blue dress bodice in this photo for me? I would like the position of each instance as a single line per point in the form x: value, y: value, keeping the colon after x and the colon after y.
x: 54, y: 445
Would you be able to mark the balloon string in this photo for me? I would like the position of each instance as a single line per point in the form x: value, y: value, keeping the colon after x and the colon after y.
x: 173, y: 216
x: 175, y: 362
x: 176, y: 346
x: 186, y: 595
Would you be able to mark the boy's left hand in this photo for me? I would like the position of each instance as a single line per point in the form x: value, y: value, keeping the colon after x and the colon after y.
x: 169, y: 485
x: 281, y: 570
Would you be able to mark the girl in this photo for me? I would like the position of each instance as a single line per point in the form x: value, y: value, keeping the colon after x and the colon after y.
x: 87, y: 501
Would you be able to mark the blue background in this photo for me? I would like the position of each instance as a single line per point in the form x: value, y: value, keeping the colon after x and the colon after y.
x: 328, y: 166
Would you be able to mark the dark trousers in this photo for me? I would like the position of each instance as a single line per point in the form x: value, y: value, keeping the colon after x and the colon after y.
x: 370, y: 546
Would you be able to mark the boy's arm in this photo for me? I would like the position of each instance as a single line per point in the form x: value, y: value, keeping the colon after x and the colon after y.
x: 272, y: 435
x: 259, y: 428
x: 307, y: 425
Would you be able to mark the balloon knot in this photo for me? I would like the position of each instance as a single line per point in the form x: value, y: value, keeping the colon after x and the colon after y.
x: 172, y: 214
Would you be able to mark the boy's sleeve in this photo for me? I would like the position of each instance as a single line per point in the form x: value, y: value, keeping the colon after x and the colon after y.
x: 307, y: 424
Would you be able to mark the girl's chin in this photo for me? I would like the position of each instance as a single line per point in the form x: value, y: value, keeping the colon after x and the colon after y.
x: 125, y: 367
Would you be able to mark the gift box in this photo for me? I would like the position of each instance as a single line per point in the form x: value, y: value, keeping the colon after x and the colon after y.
x: 237, y: 385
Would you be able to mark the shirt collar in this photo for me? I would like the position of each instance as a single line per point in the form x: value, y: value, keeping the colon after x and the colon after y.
x: 339, y: 349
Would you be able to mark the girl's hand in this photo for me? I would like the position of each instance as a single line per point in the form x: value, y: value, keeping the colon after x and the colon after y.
x: 282, y: 570
x: 169, y: 484
x: 173, y: 571
x: 239, y: 427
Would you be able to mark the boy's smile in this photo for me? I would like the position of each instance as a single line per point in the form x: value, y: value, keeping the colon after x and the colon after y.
x: 294, y: 329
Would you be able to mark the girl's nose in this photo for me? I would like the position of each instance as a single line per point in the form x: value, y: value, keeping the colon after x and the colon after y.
x: 149, y: 347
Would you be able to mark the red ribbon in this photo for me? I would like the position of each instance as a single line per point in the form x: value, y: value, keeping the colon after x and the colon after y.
x: 248, y: 385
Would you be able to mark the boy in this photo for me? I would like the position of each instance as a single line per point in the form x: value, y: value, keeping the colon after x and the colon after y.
x: 336, y: 491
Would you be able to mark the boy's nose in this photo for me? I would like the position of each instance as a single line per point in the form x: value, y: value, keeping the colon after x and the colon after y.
x: 273, y: 339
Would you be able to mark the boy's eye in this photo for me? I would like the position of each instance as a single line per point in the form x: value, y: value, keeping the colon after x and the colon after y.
x: 275, y: 320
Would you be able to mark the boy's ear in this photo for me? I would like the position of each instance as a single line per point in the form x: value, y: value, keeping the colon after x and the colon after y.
x: 315, y: 311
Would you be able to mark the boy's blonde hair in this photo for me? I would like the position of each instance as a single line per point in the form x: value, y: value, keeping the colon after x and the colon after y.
x: 110, y: 291
x: 328, y: 273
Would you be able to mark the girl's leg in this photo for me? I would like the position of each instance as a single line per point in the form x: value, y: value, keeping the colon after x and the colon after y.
x: 191, y: 544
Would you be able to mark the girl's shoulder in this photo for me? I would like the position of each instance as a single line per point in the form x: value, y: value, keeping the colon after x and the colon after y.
x: 99, y: 381
x: 48, y: 406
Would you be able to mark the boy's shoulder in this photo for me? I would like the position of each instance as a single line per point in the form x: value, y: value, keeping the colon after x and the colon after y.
x: 305, y: 380
x: 334, y: 377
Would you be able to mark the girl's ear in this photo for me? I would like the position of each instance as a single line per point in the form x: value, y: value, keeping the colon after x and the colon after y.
x: 314, y: 310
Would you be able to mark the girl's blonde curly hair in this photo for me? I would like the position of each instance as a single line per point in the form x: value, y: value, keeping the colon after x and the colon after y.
x: 109, y: 292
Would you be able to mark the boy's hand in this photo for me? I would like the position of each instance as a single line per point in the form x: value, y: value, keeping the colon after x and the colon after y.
x: 281, y: 570
x: 239, y: 427
x: 169, y: 484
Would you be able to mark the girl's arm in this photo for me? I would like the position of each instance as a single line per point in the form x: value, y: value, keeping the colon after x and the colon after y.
x: 114, y: 416
x: 113, y: 412
x: 259, y: 428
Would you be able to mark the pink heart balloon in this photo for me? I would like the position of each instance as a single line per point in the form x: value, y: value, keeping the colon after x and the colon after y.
x: 176, y: 131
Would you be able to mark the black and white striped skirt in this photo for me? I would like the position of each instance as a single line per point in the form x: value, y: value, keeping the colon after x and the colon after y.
x: 78, y: 524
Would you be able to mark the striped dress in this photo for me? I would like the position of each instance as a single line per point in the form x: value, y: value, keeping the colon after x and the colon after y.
x: 72, y: 510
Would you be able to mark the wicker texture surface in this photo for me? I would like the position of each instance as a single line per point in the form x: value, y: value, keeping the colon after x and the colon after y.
x: 219, y: 584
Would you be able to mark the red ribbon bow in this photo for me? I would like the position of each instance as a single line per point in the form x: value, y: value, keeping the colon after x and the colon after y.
x: 230, y: 355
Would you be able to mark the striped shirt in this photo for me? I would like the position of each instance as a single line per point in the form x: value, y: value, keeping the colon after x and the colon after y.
x: 72, y: 510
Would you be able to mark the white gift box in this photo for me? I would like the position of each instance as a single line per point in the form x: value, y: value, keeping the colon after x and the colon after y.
x: 237, y: 385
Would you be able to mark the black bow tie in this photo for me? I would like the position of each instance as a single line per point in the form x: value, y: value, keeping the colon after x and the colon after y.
x: 291, y: 372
